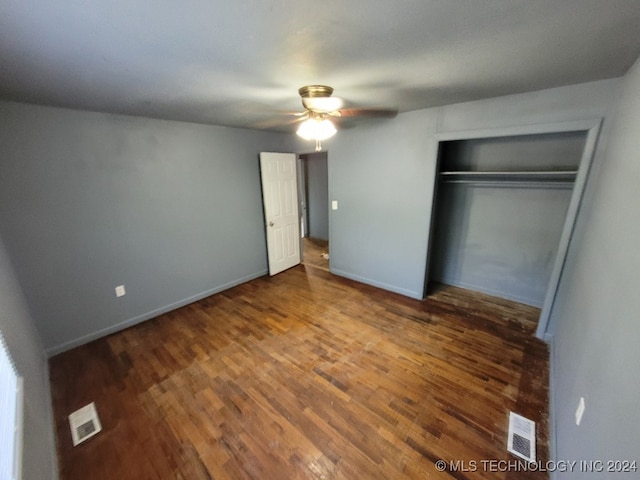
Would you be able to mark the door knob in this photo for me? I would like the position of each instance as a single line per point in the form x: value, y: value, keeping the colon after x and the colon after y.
x: 271, y: 224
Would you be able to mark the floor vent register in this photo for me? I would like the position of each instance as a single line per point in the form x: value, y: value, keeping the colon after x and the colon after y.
x: 84, y: 423
x: 521, y: 440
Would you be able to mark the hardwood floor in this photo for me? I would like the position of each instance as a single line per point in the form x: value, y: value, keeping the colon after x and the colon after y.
x: 315, y: 253
x: 307, y: 376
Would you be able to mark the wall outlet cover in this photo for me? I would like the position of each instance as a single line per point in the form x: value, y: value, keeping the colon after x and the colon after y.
x: 580, y: 411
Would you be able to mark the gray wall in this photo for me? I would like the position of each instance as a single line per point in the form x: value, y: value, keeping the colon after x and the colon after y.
x: 317, y: 195
x: 383, y: 175
x: 89, y: 201
x: 596, y: 322
x: 498, y: 240
x: 39, y: 449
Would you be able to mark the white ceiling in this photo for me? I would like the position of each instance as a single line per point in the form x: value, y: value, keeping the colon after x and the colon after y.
x: 240, y: 62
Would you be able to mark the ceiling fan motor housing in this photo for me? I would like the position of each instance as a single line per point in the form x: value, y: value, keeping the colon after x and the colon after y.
x: 312, y: 91
x: 319, y: 104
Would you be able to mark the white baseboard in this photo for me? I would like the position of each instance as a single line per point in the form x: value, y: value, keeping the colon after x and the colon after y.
x: 55, y: 469
x: 553, y: 454
x: 455, y: 282
x: 375, y: 283
x: 76, y: 342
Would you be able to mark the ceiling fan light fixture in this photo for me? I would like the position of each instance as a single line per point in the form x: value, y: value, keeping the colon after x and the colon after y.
x: 317, y: 98
x: 316, y: 129
x: 322, y: 104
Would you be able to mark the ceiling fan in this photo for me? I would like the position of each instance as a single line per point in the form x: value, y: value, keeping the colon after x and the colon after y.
x: 320, y: 108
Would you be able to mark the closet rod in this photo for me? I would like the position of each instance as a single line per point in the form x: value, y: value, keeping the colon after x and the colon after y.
x: 509, y: 183
x: 559, y: 174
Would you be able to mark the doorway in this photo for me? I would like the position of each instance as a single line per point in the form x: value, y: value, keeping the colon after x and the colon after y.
x: 313, y: 181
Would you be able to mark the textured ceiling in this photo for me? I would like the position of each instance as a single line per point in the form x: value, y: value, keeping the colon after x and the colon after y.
x: 240, y: 62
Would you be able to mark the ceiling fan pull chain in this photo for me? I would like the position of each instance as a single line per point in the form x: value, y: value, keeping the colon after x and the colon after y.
x: 318, y: 145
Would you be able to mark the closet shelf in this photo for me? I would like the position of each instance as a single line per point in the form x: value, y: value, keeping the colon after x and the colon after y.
x: 511, y: 178
x: 550, y: 176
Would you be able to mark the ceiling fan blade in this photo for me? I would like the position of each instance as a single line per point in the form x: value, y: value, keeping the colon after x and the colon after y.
x: 280, y: 121
x: 368, y: 112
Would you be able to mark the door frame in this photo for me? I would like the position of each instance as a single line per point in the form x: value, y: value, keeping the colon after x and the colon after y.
x: 302, y: 194
x: 592, y: 129
x: 303, y: 159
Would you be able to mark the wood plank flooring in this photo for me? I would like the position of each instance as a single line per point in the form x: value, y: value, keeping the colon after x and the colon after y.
x: 307, y: 376
x: 313, y: 251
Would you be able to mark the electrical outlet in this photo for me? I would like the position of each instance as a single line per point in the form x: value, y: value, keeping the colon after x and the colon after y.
x: 120, y: 291
x: 580, y: 411
x: 334, y: 204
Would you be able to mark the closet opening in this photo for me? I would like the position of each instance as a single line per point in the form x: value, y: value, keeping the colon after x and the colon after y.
x: 504, y: 208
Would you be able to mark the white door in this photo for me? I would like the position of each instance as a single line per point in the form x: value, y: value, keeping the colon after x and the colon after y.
x: 280, y: 199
